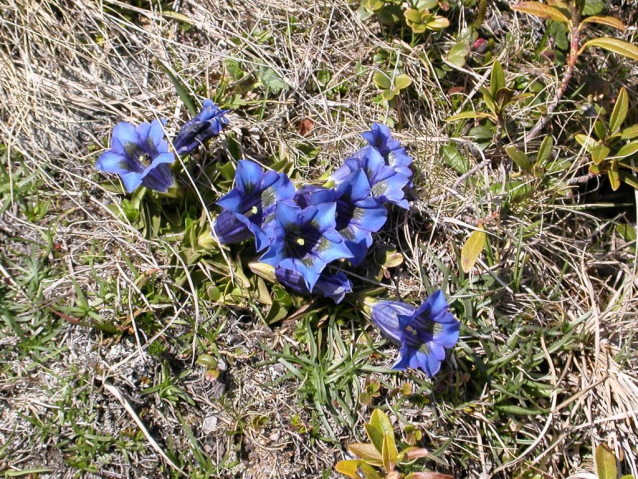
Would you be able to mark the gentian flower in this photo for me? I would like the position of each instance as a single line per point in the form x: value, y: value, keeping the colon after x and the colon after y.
x: 140, y: 156
x: 423, y: 333
x: 358, y: 215
x: 333, y: 286
x: 390, y: 148
x: 250, y: 205
x: 304, y: 240
x: 203, y: 126
x: 313, y: 195
x: 386, y: 184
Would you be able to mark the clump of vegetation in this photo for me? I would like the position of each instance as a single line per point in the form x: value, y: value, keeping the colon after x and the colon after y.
x: 379, y: 240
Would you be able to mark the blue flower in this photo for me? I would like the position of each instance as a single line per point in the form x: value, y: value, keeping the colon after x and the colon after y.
x: 423, y: 333
x: 250, y: 205
x: 390, y: 148
x: 140, y: 156
x: 358, y: 215
x: 304, y: 240
x: 333, y: 286
x: 203, y: 126
x: 313, y: 195
x: 386, y: 184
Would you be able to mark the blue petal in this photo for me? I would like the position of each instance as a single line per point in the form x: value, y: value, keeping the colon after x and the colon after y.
x: 248, y: 176
x: 334, y: 287
x: 325, y: 216
x: 231, y: 201
x: 275, y: 253
x: 308, y: 272
x: 111, y: 162
x: 292, y: 279
x: 428, y: 363
x: 328, y: 251
x: 168, y: 158
x: 381, y: 138
x: 341, y: 174
x: 386, y: 314
x: 124, y: 133
x: 143, y: 130
x: 229, y: 229
x: 358, y: 249
x: 289, y: 214
x: 159, y: 178
x: 131, y: 181
x: 436, y: 303
x: 406, y: 355
x: 156, y: 134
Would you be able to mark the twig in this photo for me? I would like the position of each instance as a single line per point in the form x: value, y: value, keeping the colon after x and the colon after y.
x: 118, y: 395
x: 461, y: 179
x: 567, y: 76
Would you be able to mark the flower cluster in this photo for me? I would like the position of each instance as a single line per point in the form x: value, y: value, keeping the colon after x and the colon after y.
x: 302, y: 230
x: 140, y: 155
x: 423, y: 333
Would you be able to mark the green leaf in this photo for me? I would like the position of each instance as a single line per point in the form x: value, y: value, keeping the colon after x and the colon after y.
x: 628, y: 149
x: 630, y: 132
x: 389, y: 14
x: 472, y: 249
x: 382, y: 80
x: 426, y: 4
x: 545, y: 150
x: 367, y: 452
x: 599, y: 153
x: 519, y: 157
x: 454, y: 159
x: 378, y: 426
x: 497, y: 78
x: 181, y: 88
x: 437, y: 23
x: 626, y: 231
x: 593, y: 7
x: 541, y: 10
x: 489, y: 100
x: 464, y: 115
x: 619, y: 114
x: 504, y: 97
x: 357, y: 469
x: 389, y: 94
x: 600, y: 129
x: 605, y: 20
x: 412, y: 15
x: 621, y: 47
x: 271, y: 80
x: 605, y: 463
x: 389, y: 452
x: 458, y: 54
x: 587, y: 141
x: 402, y: 81
x: 614, y: 181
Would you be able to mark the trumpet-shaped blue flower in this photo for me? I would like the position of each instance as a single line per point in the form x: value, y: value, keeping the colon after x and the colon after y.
x: 386, y: 184
x: 140, y: 156
x: 304, y: 240
x: 333, y: 286
x: 358, y: 214
x: 423, y: 333
x: 203, y: 126
x: 251, y: 204
x: 390, y: 148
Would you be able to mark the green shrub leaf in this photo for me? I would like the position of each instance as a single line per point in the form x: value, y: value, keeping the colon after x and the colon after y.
x: 541, y: 10
x: 621, y: 47
x: 619, y: 114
